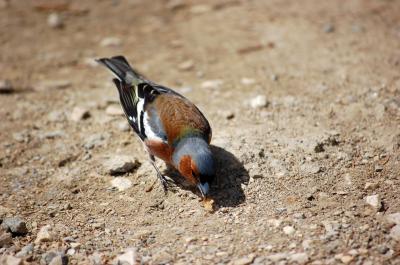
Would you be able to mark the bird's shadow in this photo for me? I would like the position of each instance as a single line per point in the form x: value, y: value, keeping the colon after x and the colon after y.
x: 226, y: 190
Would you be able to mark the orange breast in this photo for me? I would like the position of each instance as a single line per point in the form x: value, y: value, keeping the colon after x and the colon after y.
x: 160, y: 150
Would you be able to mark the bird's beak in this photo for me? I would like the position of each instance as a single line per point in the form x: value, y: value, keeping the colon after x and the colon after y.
x: 204, y: 188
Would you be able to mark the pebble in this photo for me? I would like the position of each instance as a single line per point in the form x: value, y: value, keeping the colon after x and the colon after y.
x: 274, y: 222
x: 5, y: 239
x: 114, y: 110
x: 6, y: 87
x: 382, y: 249
x: 277, y: 257
x: 258, y: 102
x: 96, y: 258
x: 186, y: 65
x: 299, y: 216
x: 48, y: 257
x: 121, y: 183
x: 44, y: 234
x: 329, y: 28
x: 395, y: 232
x: 110, y: 42
x: 200, y: 9
x: 374, y: 201
x: 289, y: 230
x: 95, y: 140
x: 393, y: 218
x: 120, y: 164
x: 10, y: 260
x: 55, y: 21
x: 53, y: 84
x: 123, y: 126
x: 25, y: 251
x: 60, y: 259
x: 274, y: 77
x: 299, y: 258
x: 310, y: 168
x: 175, y: 4
x: 244, y: 260
x: 378, y: 168
x: 346, y: 259
x: 129, y: 257
x: 247, y: 81
x: 15, y: 225
x: 212, y: 84
x: 79, y: 113
x: 371, y: 185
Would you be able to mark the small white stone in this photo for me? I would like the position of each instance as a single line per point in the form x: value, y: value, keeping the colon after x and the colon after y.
x: 393, y: 218
x: 123, y: 126
x: 186, y: 65
x: 114, y: 110
x: 395, y: 232
x: 128, y: 258
x: 247, y: 81
x: 212, y: 84
x: 6, y: 87
x: 258, y: 102
x: 44, y: 235
x: 55, y: 21
x: 289, y: 230
x: 374, y: 201
x: 10, y: 260
x: 110, y: 42
x: 299, y: 258
x: 121, y: 183
x: 79, y: 113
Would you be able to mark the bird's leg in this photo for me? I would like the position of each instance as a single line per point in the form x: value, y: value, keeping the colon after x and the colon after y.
x: 159, y: 175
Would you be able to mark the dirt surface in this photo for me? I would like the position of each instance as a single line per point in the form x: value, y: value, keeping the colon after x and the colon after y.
x: 297, y: 169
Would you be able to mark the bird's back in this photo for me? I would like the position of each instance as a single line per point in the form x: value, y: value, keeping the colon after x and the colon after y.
x: 181, y: 118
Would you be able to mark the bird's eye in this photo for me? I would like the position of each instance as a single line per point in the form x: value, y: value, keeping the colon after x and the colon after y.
x: 193, y: 173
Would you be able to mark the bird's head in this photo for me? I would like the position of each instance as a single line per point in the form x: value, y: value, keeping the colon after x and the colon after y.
x: 194, y: 160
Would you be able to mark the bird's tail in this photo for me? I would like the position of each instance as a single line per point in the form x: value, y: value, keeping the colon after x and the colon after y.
x: 121, y: 69
x: 127, y: 83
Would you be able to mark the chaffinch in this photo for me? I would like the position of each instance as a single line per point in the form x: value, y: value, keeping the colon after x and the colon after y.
x: 171, y: 127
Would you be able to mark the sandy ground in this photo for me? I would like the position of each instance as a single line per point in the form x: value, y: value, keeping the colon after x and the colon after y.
x: 297, y: 173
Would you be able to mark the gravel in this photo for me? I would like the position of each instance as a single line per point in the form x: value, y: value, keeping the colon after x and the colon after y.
x: 6, y: 87
x: 44, y: 235
x: 129, y: 257
x: 15, y: 225
x: 120, y: 164
x: 374, y: 201
x: 121, y: 183
x: 5, y: 239
x: 79, y: 114
x: 55, y: 21
x: 258, y: 102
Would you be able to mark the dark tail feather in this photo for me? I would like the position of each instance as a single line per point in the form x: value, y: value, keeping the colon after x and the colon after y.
x: 121, y: 68
x: 127, y: 98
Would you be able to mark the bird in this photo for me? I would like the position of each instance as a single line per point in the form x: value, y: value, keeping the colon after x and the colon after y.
x: 170, y: 126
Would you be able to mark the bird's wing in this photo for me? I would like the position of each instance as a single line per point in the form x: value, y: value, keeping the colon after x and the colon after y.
x: 181, y: 118
x: 136, y: 101
x: 136, y: 93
